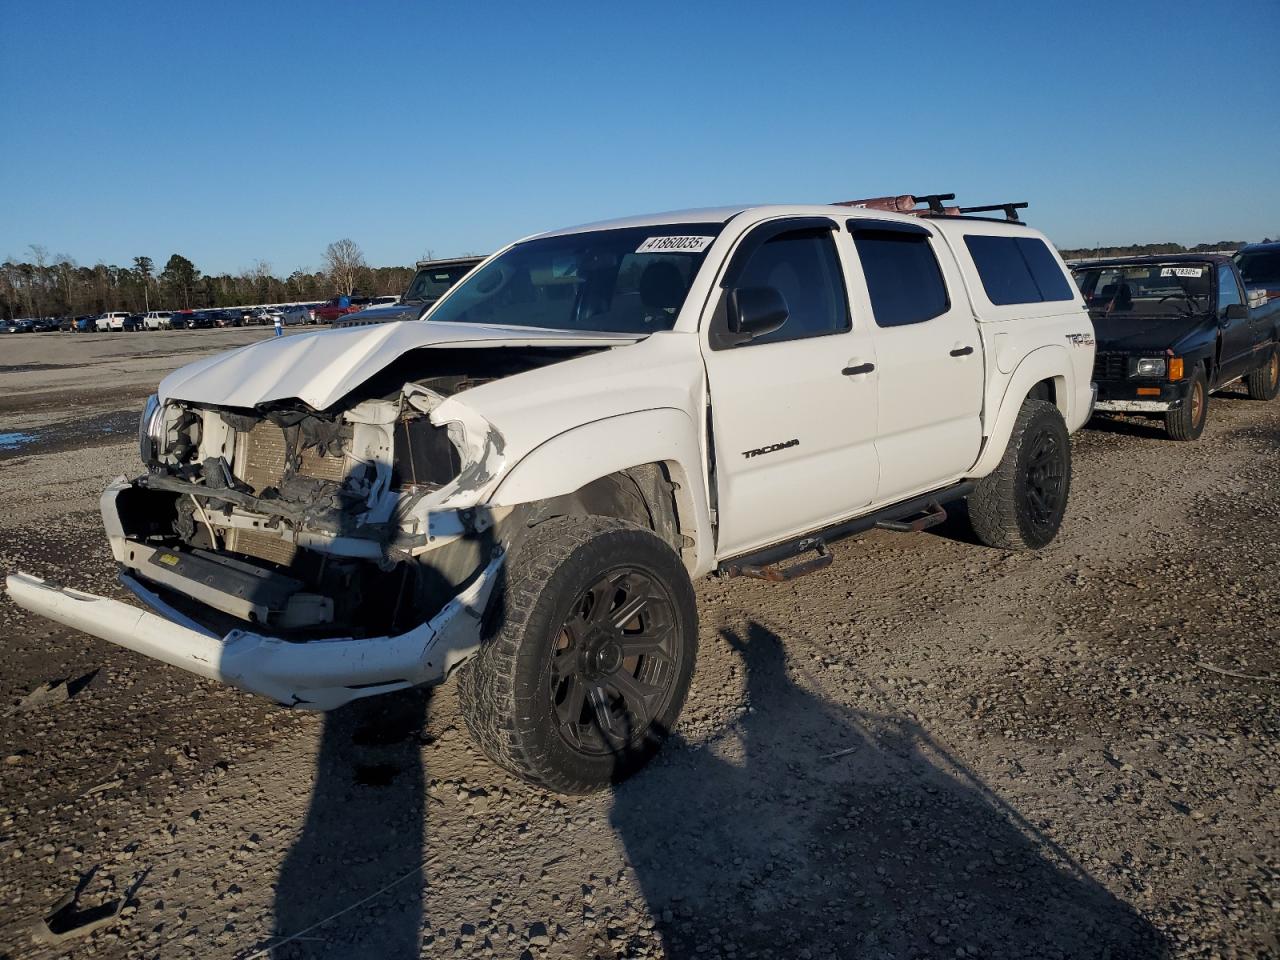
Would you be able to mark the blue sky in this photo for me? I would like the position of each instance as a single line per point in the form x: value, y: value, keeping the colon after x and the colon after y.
x: 239, y: 131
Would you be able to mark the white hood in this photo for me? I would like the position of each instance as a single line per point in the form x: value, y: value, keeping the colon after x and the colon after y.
x: 320, y: 368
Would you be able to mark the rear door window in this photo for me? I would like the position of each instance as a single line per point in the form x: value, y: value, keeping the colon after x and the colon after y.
x: 903, y: 277
x: 1017, y: 269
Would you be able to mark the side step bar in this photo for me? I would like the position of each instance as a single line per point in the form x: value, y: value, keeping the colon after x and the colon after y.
x: 909, y: 516
x: 931, y: 516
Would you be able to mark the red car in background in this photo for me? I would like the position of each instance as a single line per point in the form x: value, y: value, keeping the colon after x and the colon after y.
x: 331, y: 310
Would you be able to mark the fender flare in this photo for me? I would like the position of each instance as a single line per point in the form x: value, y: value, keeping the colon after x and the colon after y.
x: 603, y: 447
x: 1044, y: 363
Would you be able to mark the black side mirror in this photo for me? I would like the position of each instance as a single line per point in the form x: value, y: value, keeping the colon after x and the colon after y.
x: 1236, y: 311
x: 755, y: 311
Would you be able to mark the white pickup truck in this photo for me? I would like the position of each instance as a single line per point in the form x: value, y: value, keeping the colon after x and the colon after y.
x: 111, y: 321
x: 525, y: 483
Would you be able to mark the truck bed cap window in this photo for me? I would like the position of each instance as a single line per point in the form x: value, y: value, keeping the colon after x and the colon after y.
x: 1017, y: 269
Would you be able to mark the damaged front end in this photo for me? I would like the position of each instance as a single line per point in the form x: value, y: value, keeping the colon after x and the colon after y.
x: 301, y: 520
x: 314, y: 524
x: 310, y: 556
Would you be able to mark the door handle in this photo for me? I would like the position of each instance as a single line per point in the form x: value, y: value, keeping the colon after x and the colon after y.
x: 859, y: 369
x: 962, y: 351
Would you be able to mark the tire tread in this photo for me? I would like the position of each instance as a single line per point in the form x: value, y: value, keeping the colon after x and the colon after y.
x: 487, y: 687
x: 1259, y: 382
x: 993, y: 505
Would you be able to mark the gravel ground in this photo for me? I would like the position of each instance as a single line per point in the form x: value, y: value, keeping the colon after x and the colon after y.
x: 930, y: 749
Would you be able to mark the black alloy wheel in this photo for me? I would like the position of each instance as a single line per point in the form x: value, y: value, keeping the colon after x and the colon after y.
x: 1043, y: 498
x: 1020, y: 505
x: 588, y: 656
x: 613, y: 669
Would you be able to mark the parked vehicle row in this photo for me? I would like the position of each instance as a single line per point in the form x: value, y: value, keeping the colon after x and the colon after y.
x: 32, y: 324
x: 431, y: 280
x: 122, y: 321
x: 521, y: 488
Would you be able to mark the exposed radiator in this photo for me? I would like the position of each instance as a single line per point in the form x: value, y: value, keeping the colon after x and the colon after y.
x: 261, y: 546
x: 264, y: 455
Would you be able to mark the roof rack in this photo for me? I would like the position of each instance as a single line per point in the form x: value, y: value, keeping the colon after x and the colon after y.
x: 934, y: 205
x: 1010, y: 210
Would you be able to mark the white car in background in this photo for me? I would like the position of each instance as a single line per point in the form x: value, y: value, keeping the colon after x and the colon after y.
x: 266, y: 316
x: 112, y: 320
x: 158, y: 320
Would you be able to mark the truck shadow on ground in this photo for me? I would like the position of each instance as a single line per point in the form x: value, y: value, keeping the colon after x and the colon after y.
x: 1150, y: 428
x: 847, y: 834
x: 363, y: 836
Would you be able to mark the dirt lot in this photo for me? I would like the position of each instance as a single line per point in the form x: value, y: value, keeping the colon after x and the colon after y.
x: 931, y: 749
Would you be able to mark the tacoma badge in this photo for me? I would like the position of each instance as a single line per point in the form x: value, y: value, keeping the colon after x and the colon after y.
x: 772, y: 448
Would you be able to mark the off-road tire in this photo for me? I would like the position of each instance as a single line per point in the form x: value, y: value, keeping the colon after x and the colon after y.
x: 1264, y: 383
x: 1188, y: 420
x: 1002, y: 511
x: 506, y: 689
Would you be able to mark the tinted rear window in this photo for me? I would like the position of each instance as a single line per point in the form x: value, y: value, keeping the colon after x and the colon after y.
x: 903, y: 278
x: 1017, y: 269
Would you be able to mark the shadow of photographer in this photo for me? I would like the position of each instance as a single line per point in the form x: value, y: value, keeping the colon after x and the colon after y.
x: 362, y: 838
x: 353, y: 885
x: 827, y: 832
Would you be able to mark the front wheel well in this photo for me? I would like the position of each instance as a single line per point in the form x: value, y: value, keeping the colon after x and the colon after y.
x: 644, y: 495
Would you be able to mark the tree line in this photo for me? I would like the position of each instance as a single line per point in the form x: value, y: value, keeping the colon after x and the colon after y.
x: 44, y: 285
x: 1150, y: 249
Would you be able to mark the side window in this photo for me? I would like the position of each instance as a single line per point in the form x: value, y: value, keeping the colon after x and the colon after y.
x: 903, y: 277
x: 1228, y: 290
x: 804, y: 267
x: 1049, y: 278
x: 1017, y: 269
x: 1003, y: 272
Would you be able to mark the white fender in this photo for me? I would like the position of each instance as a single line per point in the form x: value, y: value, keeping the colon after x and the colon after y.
x: 576, y: 457
x: 1046, y: 363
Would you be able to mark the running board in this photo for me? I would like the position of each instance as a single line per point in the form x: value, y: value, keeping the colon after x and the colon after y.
x: 909, y: 516
x: 776, y: 573
x: 931, y: 516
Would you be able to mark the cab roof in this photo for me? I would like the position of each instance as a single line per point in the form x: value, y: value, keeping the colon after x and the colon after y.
x: 723, y: 215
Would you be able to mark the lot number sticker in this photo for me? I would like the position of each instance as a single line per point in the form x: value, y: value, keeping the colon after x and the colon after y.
x: 675, y: 245
x: 1182, y: 272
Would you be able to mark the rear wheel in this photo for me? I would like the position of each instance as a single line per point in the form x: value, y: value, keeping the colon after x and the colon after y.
x: 1020, y: 505
x: 1187, y: 421
x: 588, y: 670
x: 1264, y: 383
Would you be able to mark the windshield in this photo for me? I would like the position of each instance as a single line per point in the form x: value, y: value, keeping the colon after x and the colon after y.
x: 1155, y: 290
x: 632, y: 280
x: 430, y: 283
x: 1260, y: 266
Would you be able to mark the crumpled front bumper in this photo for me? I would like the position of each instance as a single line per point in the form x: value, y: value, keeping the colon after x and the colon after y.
x: 318, y: 674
